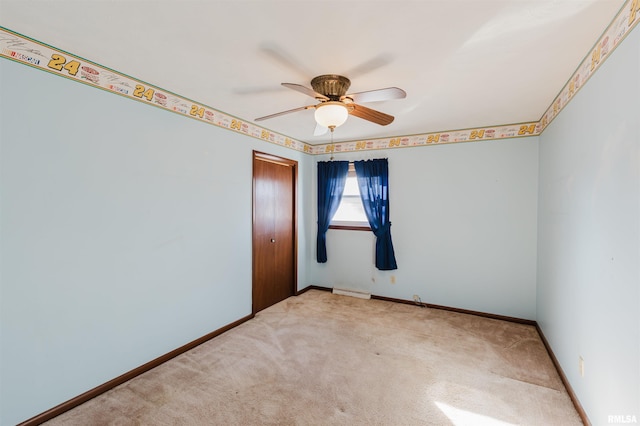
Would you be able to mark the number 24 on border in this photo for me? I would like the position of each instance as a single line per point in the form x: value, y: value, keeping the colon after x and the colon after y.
x: 59, y: 62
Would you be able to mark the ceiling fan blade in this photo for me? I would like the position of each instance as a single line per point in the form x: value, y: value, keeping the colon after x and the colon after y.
x: 377, y: 95
x: 277, y: 114
x: 256, y: 90
x: 370, y: 114
x: 303, y: 89
x: 370, y: 65
x: 320, y: 130
x: 281, y: 56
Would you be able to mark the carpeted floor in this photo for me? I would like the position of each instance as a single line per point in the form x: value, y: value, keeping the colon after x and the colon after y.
x: 322, y: 359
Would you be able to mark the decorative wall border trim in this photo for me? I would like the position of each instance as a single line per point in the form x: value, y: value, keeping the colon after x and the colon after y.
x: 626, y: 19
x: 27, y: 51
x: 440, y: 138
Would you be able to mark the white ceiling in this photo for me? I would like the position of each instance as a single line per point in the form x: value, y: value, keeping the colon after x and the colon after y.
x: 463, y: 64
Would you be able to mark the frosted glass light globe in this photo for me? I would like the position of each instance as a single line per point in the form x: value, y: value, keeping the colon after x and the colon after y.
x: 331, y: 114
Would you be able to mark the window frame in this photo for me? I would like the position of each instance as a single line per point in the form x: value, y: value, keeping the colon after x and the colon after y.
x: 350, y: 225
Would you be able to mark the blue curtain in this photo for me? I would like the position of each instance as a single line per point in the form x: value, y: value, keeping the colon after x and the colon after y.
x: 332, y: 176
x: 373, y: 182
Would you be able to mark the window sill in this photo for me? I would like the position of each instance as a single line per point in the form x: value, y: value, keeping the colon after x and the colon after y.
x: 350, y: 227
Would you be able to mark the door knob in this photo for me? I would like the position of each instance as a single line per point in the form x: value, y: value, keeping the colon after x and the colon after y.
x: 273, y: 241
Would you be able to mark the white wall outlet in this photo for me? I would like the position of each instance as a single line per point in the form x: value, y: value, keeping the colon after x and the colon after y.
x: 416, y: 298
x: 581, y: 366
x: 393, y: 279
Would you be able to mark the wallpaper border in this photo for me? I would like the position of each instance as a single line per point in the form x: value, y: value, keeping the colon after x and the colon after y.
x: 22, y: 49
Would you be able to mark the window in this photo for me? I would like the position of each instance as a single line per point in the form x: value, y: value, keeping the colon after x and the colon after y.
x: 350, y: 214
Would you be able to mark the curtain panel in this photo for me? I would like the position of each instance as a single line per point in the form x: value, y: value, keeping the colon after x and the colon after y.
x: 373, y: 182
x: 332, y: 176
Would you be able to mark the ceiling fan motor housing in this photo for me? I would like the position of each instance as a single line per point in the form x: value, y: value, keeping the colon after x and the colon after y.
x: 332, y: 86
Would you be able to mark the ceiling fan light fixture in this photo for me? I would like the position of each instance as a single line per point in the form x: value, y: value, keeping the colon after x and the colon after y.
x: 331, y: 114
x: 335, y: 104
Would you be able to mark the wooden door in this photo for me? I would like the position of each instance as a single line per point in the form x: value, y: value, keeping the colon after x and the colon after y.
x: 274, y: 229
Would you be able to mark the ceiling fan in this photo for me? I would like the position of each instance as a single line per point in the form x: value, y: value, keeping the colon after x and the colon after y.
x: 335, y: 104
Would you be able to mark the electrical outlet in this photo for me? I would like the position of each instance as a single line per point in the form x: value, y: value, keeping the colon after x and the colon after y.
x: 581, y: 366
x: 416, y: 298
x: 393, y: 279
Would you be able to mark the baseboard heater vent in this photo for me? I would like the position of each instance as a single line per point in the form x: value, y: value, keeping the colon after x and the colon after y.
x: 352, y: 293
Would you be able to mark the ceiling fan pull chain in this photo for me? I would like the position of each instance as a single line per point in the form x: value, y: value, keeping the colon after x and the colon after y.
x: 332, y: 128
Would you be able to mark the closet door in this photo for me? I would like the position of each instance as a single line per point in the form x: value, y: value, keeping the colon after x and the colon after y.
x: 274, y: 229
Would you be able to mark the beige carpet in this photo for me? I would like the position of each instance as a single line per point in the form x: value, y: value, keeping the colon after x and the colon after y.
x: 322, y: 359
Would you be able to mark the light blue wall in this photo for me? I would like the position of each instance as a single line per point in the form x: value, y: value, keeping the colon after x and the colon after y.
x: 125, y: 233
x: 463, y: 226
x: 120, y: 220
x: 588, y: 237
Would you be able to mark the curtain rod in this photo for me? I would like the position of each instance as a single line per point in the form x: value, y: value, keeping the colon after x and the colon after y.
x: 352, y: 161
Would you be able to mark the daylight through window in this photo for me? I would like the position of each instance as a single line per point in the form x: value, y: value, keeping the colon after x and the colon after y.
x: 350, y: 213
